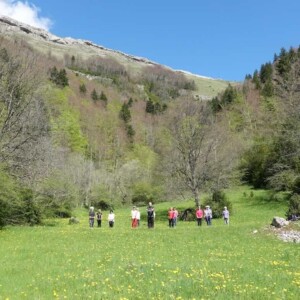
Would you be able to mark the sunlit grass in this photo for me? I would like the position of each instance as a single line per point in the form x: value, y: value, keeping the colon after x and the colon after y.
x: 217, y: 262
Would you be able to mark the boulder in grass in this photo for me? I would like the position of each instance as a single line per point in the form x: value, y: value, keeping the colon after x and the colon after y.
x: 279, y: 222
x: 73, y: 220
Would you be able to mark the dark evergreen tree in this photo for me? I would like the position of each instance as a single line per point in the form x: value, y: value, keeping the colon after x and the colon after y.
x: 130, y: 132
x: 256, y: 80
x: 150, y: 107
x: 130, y: 102
x: 59, y: 77
x: 229, y: 95
x: 94, y: 95
x: 266, y: 72
x: 125, y: 114
x: 82, y: 88
x: 103, y: 97
x: 215, y: 105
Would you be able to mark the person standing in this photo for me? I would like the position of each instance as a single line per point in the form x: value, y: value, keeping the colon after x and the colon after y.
x: 208, y: 215
x: 225, y: 215
x: 91, y: 217
x: 111, y: 219
x: 171, y: 217
x: 150, y: 215
x: 134, y: 217
x: 99, y: 217
x: 199, y: 215
x: 175, y: 216
x: 138, y: 216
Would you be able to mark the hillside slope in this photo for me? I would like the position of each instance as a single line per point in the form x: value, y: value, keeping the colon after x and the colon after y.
x: 58, y: 47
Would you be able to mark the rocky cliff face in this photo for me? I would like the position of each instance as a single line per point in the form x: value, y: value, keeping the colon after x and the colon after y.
x: 10, y: 27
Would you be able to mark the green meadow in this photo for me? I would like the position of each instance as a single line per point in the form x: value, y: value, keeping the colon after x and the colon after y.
x: 62, y: 261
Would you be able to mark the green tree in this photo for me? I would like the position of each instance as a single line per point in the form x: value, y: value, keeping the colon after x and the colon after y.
x: 266, y: 72
x: 59, y: 77
x: 94, y: 95
x: 103, y: 97
x: 82, y: 88
x: 125, y: 114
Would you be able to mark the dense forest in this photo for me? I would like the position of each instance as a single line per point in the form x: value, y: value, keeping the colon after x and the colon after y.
x: 83, y: 131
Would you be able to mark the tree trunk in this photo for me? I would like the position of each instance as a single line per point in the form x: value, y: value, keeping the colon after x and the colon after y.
x: 196, y: 197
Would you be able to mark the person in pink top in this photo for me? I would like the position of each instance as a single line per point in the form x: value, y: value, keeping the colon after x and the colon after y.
x: 171, y: 217
x: 199, y: 215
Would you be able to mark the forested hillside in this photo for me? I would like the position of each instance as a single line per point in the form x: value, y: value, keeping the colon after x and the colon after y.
x: 266, y: 108
x: 80, y: 128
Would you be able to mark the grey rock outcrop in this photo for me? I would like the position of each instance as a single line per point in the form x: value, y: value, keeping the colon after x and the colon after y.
x: 73, y: 220
x: 290, y: 236
x: 279, y: 222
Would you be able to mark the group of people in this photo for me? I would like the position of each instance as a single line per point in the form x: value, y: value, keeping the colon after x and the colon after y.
x: 98, y: 216
x: 207, y: 214
x: 172, y: 216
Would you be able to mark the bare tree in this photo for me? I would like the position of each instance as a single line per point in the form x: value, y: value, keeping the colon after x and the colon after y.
x: 200, y: 155
x: 23, y: 118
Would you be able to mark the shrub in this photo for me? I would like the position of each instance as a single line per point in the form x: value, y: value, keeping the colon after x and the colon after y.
x: 294, y: 206
x: 82, y: 88
x: 102, y: 204
x: 217, y: 201
x: 59, y: 77
x: 31, y: 213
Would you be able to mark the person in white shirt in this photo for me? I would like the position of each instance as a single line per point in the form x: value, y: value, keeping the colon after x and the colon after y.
x: 208, y: 215
x: 134, y: 221
x: 138, y: 216
x: 225, y: 215
x: 111, y: 219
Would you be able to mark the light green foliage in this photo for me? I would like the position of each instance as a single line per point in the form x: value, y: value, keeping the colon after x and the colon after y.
x: 57, y: 195
x: 65, y: 122
x: 145, y: 155
x: 9, y: 198
x: 145, y: 192
x: 17, y: 205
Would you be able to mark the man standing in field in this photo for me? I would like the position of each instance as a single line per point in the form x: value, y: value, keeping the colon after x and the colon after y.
x: 208, y: 215
x: 225, y: 215
x: 91, y: 217
x: 150, y: 215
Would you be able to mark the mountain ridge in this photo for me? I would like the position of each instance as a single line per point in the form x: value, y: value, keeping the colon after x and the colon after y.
x: 12, y: 27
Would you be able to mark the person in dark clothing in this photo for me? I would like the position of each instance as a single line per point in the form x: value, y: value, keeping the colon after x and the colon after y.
x: 150, y: 215
x: 99, y: 217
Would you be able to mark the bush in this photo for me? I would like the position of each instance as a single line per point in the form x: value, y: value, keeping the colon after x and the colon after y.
x: 31, y: 213
x: 217, y: 201
x: 103, y: 205
x: 294, y: 206
x: 144, y: 193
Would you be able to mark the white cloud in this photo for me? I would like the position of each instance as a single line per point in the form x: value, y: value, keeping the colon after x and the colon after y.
x: 24, y: 12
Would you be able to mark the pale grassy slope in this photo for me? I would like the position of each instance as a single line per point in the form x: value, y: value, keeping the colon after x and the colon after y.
x: 57, y: 47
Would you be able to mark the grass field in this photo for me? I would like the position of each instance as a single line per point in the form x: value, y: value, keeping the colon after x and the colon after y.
x: 218, y: 262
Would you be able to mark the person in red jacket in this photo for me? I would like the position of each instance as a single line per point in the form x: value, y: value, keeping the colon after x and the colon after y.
x: 199, y: 215
x: 171, y: 215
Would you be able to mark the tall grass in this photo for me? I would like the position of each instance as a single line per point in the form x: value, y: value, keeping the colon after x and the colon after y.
x: 187, y: 262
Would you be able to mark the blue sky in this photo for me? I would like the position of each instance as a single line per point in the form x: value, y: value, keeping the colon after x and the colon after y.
x: 221, y: 39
